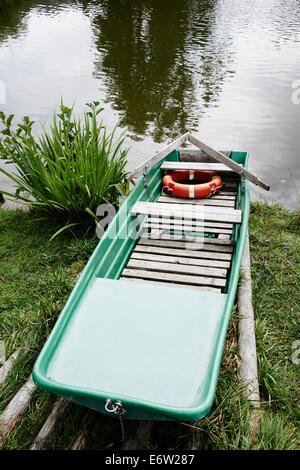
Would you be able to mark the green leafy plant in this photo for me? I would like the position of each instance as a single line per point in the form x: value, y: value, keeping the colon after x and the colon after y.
x: 68, y: 170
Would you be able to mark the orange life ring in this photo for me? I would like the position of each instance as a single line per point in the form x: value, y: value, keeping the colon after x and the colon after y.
x: 210, y: 183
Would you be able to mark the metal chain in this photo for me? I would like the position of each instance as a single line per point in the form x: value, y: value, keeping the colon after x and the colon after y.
x: 118, y: 409
x: 123, y: 435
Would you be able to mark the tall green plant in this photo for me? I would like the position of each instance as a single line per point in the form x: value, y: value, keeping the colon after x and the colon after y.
x: 69, y: 169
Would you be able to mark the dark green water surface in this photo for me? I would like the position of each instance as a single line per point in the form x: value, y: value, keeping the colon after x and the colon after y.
x: 228, y: 71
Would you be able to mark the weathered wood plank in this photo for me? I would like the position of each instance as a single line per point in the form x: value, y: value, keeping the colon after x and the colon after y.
x: 185, y: 245
x: 171, y: 284
x: 196, y: 205
x: 160, y: 248
x: 193, y: 223
x: 139, y: 435
x: 225, y: 194
x: 180, y: 278
x: 187, y: 212
x: 176, y: 268
x: 180, y: 260
x: 247, y: 341
x: 186, y: 228
x: 193, y: 239
x: 202, y: 166
x: 198, y: 155
x: 51, y: 426
x: 223, y: 236
x: 159, y: 155
x: 91, y: 432
x: 197, y: 202
x: 16, y: 409
x: 220, y: 157
x: 229, y: 186
x: 7, y: 366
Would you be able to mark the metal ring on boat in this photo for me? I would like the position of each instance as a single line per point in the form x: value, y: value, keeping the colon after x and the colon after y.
x: 116, y: 407
x: 109, y: 403
x: 172, y: 184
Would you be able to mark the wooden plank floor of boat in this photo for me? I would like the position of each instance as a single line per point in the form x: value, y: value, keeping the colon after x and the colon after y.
x: 172, y: 252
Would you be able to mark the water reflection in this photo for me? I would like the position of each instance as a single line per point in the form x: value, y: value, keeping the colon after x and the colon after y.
x: 221, y: 68
x: 159, y: 62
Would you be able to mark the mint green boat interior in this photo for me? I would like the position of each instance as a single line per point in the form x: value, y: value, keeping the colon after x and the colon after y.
x: 156, y: 348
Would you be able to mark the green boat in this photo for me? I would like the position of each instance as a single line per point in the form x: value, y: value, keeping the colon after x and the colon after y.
x: 143, y: 331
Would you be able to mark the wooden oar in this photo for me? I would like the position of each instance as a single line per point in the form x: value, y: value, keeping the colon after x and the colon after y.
x: 220, y: 157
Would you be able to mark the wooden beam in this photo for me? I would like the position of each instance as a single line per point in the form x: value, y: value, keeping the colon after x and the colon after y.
x: 218, y: 167
x: 178, y: 268
x: 7, y: 366
x: 156, y: 158
x: 139, y: 435
x: 220, y: 157
x: 179, y: 260
x: 158, y: 246
x: 51, y: 426
x: 185, y: 212
x: 247, y: 341
x: 185, y: 244
x: 198, y: 202
x: 181, y: 278
x: 16, y: 409
x: 184, y: 227
x: 194, y: 223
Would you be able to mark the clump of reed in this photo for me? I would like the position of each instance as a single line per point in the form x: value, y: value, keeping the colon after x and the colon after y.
x: 70, y: 168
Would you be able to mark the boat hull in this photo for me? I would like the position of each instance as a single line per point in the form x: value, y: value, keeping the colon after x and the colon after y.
x: 112, y: 339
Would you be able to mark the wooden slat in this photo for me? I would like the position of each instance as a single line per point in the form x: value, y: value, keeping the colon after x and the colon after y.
x: 158, y: 156
x: 180, y: 260
x: 186, y: 212
x: 176, y: 268
x: 229, y: 186
x: 197, y: 155
x: 157, y: 246
x: 225, y: 194
x: 185, y: 228
x: 16, y: 409
x: 229, y: 197
x: 138, y: 436
x: 197, y: 202
x: 7, y: 366
x: 180, y: 278
x: 185, y: 245
x: 190, y: 239
x: 196, y: 205
x: 51, y: 426
x: 217, y: 167
x: 193, y: 223
x: 171, y: 284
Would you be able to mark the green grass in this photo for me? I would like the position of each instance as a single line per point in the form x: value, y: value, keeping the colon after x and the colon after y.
x: 38, y: 276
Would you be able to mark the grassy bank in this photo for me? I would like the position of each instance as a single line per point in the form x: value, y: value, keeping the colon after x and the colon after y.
x: 36, y: 277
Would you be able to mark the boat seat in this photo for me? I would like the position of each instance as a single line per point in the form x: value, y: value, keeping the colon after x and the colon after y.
x: 187, y: 212
x: 217, y: 167
x: 140, y: 342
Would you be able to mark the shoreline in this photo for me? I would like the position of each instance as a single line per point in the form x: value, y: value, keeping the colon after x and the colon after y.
x: 47, y: 271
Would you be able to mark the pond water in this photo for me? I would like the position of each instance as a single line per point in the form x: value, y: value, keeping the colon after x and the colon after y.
x: 226, y: 70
